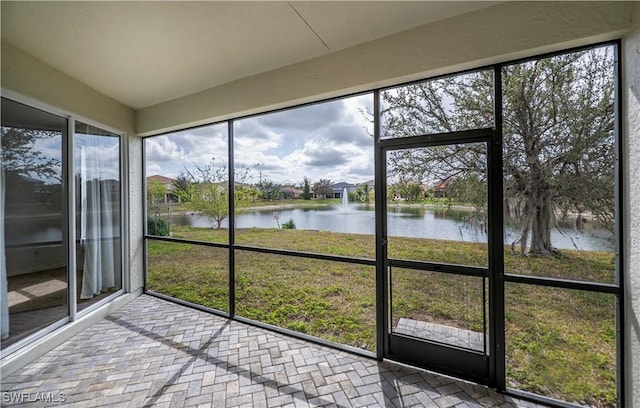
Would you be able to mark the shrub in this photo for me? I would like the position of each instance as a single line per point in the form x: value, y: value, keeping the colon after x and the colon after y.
x: 289, y: 224
x: 157, y: 226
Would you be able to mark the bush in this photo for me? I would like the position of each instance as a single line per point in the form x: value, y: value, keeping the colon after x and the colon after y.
x: 289, y: 224
x: 157, y: 226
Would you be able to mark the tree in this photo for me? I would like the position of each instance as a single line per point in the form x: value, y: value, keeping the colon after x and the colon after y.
x: 406, y: 190
x: 156, y: 193
x: 25, y: 168
x: 363, y: 192
x: 270, y: 190
x: 20, y: 158
x: 558, y: 145
x: 180, y: 184
x: 322, y: 188
x: 207, y: 191
x: 244, y: 194
x: 306, y: 189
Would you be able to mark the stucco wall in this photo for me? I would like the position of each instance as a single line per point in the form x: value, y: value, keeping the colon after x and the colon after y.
x: 486, y: 36
x: 136, y: 214
x: 31, y: 78
x: 631, y: 162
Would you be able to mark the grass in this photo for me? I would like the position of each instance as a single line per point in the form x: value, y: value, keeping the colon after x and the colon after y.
x: 560, y: 343
x: 193, y: 273
x: 184, y: 207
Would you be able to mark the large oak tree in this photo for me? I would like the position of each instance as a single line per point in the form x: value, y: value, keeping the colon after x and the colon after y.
x: 558, y: 145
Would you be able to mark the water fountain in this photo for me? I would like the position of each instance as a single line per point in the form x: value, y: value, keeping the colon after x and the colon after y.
x: 345, y: 198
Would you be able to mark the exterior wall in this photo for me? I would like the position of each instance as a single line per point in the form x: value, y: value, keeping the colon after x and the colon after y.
x: 631, y: 206
x: 490, y: 35
x: 136, y: 214
x: 31, y: 78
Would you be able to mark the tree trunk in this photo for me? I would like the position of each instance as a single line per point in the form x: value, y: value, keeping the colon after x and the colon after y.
x: 540, y: 219
x: 537, y: 192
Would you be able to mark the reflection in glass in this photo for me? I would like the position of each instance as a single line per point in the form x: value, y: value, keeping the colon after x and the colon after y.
x: 188, y: 184
x: 97, y: 173
x: 438, y: 307
x: 559, y: 166
x: 193, y: 273
x: 304, y: 179
x: 33, y: 260
x: 454, y: 103
x: 331, y: 300
x: 561, y: 343
x: 437, y: 204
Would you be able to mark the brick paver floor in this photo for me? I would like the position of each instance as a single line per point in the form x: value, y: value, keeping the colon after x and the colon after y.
x: 441, y: 333
x: 156, y: 353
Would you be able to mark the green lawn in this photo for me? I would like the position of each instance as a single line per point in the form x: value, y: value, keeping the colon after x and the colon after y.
x: 560, y: 343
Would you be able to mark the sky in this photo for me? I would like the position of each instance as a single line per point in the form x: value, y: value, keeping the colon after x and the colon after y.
x: 330, y: 140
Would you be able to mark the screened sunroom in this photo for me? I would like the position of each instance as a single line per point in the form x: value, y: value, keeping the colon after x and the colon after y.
x: 443, y: 186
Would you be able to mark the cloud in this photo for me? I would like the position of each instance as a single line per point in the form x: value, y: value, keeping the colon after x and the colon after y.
x: 326, y: 140
x: 366, y: 170
x: 173, y: 152
x: 155, y: 169
x: 351, y: 134
x: 250, y: 132
x: 49, y: 147
x: 306, y: 118
x: 320, y: 153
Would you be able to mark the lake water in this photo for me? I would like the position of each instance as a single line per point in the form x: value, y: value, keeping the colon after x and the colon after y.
x: 403, y: 221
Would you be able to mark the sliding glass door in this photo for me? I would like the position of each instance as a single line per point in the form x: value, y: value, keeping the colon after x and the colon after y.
x: 98, y: 244
x: 45, y: 262
x: 33, y: 256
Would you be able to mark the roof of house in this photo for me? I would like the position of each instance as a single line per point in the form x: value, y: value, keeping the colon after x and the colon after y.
x: 160, y: 179
x: 291, y: 189
x: 342, y: 184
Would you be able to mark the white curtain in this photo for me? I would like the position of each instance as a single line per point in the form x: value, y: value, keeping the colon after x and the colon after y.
x: 4, y: 306
x: 96, y: 229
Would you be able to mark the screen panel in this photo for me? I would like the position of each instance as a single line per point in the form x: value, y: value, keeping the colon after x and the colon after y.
x: 194, y: 273
x: 436, y: 204
x: 439, y: 307
x: 561, y: 343
x: 331, y: 300
x: 305, y: 179
x: 441, y: 105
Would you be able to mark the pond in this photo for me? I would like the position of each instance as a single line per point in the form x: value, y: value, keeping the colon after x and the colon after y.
x: 403, y: 221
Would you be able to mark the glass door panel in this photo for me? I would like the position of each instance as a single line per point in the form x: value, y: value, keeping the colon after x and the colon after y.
x: 98, y: 209
x: 33, y: 247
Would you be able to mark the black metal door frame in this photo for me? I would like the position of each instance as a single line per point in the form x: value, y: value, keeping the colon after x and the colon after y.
x: 479, y: 367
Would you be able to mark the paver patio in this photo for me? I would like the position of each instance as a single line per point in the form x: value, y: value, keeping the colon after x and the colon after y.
x: 441, y: 333
x: 156, y: 353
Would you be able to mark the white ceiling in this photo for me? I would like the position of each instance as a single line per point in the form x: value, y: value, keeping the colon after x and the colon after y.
x: 144, y: 53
